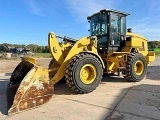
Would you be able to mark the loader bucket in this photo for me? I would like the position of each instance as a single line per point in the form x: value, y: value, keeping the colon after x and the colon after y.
x: 29, y: 87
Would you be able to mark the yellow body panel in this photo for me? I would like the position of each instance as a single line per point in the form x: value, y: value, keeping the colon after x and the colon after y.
x: 114, y: 61
x: 138, y: 42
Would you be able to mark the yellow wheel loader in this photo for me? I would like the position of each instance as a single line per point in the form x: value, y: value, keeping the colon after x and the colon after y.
x: 110, y: 48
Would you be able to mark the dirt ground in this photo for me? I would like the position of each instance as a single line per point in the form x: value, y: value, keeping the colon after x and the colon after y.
x: 114, y: 99
x: 9, y: 65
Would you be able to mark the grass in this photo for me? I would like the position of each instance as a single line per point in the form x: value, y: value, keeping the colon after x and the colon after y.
x: 157, y: 51
x: 42, y: 55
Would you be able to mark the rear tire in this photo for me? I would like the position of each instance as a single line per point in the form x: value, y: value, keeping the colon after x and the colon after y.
x: 84, y: 73
x: 136, y: 67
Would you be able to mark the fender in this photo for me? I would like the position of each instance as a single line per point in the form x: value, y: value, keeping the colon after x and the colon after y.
x: 95, y: 54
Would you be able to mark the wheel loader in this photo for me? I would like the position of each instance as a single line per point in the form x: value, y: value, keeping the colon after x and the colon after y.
x: 110, y: 48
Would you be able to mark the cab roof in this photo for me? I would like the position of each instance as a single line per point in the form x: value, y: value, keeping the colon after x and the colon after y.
x: 106, y: 11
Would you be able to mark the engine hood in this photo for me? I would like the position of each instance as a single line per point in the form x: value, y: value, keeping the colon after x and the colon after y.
x: 135, y: 35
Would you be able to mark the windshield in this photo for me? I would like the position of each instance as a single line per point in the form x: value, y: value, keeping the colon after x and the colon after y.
x: 98, y: 25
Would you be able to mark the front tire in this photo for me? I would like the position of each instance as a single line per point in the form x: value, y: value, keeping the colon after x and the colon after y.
x: 51, y: 63
x: 136, y: 67
x: 84, y: 73
x: 50, y: 66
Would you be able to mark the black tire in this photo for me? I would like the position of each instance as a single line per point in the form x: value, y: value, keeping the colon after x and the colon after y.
x: 141, y: 67
x: 50, y: 66
x: 50, y: 63
x: 73, y: 73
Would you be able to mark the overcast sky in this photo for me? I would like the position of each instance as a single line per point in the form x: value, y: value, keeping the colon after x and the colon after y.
x: 30, y: 21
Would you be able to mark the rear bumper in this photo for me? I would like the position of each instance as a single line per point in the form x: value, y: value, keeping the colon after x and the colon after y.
x: 150, y: 57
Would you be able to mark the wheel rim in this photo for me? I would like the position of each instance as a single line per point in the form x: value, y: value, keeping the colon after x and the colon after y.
x: 139, y: 67
x: 88, y: 74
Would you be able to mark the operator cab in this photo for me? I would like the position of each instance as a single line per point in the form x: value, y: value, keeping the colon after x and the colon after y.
x: 110, y: 28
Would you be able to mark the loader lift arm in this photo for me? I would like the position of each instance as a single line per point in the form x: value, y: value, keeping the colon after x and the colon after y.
x: 81, y: 45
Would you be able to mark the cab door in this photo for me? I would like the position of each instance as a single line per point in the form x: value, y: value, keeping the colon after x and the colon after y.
x: 114, y: 30
x: 117, y: 29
